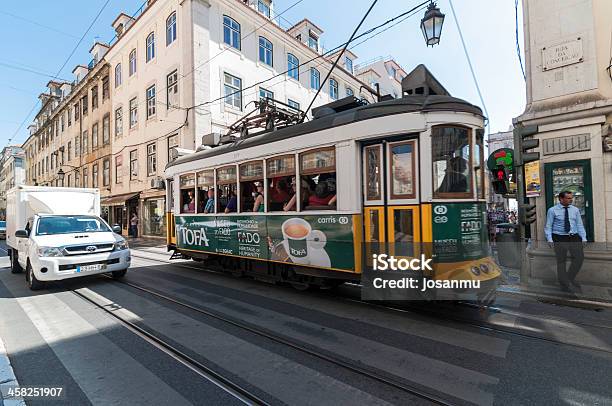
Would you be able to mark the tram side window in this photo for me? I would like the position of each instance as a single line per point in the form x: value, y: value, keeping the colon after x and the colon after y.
x: 188, y: 193
x: 251, y: 187
x: 451, y: 162
x: 206, y: 192
x: 479, y: 163
x: 280, y: 173
x: 318, y: 179
x: 227, y: 190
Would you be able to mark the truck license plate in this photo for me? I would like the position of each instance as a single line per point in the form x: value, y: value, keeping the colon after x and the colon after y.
x: 88, y: 268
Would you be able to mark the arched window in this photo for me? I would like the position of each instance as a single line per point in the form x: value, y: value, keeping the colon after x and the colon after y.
x: 118, y: 78
x: 265, y: 51
x: 150, y: 46
x: 132, y: 62
x: 231, y: 32
x: 293, y: 65
x: 171, y: 29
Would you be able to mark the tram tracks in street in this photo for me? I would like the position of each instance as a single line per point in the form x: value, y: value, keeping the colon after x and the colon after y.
x: 484, y: 326
x: 442, y: 314
x: 238, y: 391
x: 295, y: 345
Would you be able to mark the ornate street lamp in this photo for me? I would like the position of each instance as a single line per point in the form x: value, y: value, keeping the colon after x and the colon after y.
x: 60, y: 175
x: 431, y: 24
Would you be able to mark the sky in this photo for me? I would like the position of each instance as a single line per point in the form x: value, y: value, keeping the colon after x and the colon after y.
x: 40, y: 36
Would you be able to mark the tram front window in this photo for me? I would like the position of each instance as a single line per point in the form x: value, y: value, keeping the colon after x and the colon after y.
x: 451, y: 162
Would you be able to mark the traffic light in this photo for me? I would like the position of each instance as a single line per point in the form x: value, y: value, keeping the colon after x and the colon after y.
x: 500, y: 180
x: 523, y: 146
x: 527, y: 213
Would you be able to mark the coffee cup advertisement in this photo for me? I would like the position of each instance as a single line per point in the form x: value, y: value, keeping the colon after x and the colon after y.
x: 324, y: 241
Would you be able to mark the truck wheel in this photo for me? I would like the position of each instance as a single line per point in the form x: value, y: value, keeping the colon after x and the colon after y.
x: 119, y: 274
x: 33, y: 283
x: 15, y: 267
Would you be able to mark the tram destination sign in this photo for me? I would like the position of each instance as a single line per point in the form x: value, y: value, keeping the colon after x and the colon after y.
x: 322, y: 241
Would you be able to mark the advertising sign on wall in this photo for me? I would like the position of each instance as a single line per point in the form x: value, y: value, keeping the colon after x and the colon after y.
x: 533, y: 186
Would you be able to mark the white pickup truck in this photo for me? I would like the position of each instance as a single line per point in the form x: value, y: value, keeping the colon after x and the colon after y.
x: 57, y: 233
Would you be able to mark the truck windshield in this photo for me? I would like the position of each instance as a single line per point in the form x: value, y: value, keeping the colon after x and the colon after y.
x: 70, y: 224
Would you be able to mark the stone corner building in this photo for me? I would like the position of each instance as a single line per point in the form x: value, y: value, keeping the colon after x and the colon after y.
x: 569, y: 96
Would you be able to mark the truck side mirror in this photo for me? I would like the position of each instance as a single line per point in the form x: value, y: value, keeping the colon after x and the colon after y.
x: 21, y: 234
x: 117, y: 229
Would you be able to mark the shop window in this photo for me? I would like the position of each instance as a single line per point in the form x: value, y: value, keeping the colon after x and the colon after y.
x: 154, y: 221
x: 451, y: 162
x: 227, y: 190
x: 401, y: 168
x: 280, y: 172
x: 251, y: 187
x: 206, y: 192
x: 188, y: 193
x: 318, y: 179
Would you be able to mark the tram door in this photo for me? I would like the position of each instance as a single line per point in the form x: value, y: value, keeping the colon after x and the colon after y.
x: 390, y: 195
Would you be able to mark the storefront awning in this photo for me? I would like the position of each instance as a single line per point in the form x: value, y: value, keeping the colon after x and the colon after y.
x: 118, y: 200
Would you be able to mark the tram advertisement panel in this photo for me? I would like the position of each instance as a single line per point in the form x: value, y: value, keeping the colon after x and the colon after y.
x: 317, y: 240
x: 459, y: 231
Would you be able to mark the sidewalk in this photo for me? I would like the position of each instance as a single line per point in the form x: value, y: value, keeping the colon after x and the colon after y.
x: 7, y: 379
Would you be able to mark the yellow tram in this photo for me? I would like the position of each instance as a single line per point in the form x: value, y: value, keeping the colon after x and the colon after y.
x: 305, y: 203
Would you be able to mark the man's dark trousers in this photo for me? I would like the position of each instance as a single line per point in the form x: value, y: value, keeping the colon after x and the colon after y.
x: 563, y: 244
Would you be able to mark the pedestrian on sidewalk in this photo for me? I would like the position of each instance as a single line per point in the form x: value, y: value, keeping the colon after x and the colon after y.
x: 565, y: 232
x: 134, y: 225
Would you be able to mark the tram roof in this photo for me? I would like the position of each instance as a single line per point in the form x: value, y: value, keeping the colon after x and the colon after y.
x: 409, y: 104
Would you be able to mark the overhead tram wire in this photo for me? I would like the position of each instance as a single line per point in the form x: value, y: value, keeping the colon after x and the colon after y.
x: 61, y: 68
x: 314, y: 98
x: 516, y: 34
x: 467, y: 55
x: 331, y: 51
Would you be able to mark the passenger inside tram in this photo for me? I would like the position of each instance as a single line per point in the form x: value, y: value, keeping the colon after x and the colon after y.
x: 210, y: 203
x: 258, y: 204
x: 232, y: 204
x: 188, y: 198
x: 323, y: 195
x: 305, y: 195
x: 455, y: 180
x: 279, y: 193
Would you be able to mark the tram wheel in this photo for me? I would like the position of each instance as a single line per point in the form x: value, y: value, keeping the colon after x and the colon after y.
x: 301, y: 286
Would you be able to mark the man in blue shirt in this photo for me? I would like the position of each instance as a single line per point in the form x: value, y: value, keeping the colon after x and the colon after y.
x: 565, y: 232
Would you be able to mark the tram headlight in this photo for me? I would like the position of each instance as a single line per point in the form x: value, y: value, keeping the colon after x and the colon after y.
x: 475, y: 270
x: 484, y: 268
